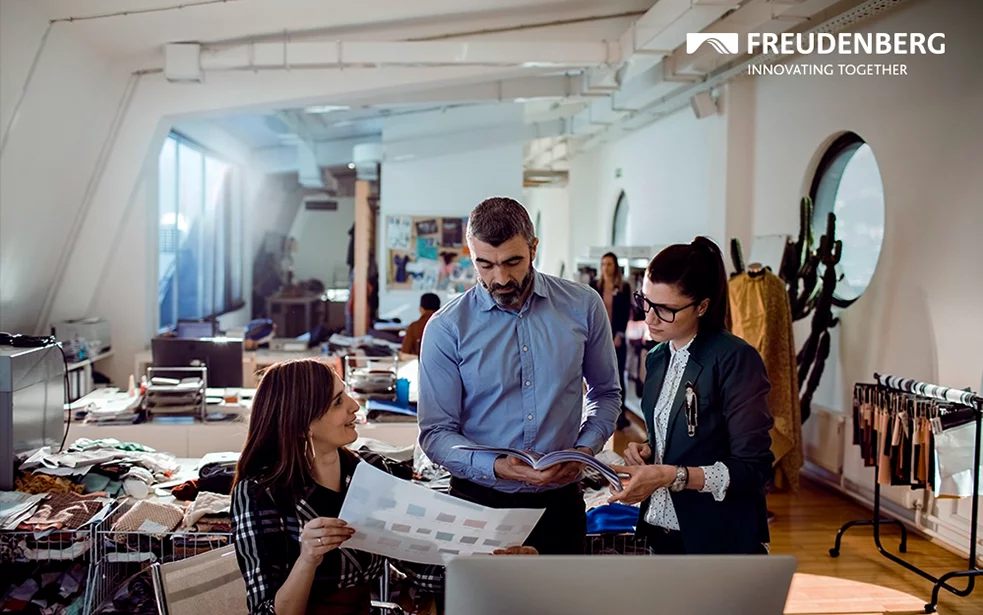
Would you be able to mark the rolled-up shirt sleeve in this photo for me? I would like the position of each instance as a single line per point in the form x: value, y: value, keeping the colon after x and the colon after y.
x: 716, y: 479
x: 439, y: 408
x: 603, y: 403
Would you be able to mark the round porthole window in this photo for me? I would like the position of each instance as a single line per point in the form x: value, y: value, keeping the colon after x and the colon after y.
x: 848, y: 183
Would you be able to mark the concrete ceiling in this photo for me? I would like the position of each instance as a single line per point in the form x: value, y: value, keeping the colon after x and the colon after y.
x: 127, y: 28
x: 585, y: 71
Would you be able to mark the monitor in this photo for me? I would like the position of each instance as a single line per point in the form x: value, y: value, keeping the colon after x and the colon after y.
x: 592, y: 584
x: 195, y: 329
x: 222, y: 356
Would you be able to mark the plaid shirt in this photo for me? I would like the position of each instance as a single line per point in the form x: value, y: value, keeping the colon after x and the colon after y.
x: 267, y: 542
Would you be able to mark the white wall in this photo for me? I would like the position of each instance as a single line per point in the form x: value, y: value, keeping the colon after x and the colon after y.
x: 553, y: 205
x: 671, y: 173
x: 322, y: 243
x: 921, y: 316
x: 50, y: 155
x: 445, y: 185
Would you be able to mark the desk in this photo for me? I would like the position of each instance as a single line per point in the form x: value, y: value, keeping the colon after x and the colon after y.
x: 199, y: 439
x: 252, y: 362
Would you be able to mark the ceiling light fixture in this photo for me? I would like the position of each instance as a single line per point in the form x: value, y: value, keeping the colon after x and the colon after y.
x: 325, y: 108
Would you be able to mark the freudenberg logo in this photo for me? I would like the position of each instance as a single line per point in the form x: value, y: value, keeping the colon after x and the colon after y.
x: 726, y: 43
x: 820, y: 44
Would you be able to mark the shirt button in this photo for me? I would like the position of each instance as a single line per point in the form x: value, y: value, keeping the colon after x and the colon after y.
x: 529, y: 417
x: 525, y: 349
x: 528, y: 384
x: 520, y: 315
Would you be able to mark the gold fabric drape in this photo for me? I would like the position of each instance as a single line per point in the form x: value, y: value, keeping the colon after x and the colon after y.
x: 760, y: 314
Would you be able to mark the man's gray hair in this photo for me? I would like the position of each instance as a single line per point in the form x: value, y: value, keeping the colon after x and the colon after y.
x: 499, y: 219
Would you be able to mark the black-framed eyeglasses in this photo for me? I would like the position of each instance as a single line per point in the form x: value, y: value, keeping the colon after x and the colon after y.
x: 664, y: 312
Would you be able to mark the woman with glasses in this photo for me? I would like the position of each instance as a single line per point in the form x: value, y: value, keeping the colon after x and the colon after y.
x: 701, y: 475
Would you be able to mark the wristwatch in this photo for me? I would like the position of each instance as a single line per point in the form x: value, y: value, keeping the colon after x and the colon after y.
x: 682, y: 478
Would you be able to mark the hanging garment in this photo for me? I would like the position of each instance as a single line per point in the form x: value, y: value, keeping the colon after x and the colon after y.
x: 954, y: 452
x: 761, y: 315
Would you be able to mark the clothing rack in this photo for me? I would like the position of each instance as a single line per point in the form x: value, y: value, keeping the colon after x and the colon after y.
x: 954, y: 396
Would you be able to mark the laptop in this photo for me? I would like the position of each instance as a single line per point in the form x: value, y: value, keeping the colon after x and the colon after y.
x: 619, y: 585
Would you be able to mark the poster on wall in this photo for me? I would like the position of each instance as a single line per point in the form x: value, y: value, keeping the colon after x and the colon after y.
x: 398, y: 233
x: 427, y: 253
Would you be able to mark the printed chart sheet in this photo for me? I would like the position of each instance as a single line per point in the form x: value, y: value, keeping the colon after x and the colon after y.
x: 398, y: 519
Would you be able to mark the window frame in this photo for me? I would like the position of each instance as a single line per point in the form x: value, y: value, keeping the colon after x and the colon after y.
x: 832, y: 165
x: 235, y: 267
x: 621, y: 202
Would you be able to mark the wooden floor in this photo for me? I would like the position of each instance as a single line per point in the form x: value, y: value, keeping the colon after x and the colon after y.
x: 860, y: 581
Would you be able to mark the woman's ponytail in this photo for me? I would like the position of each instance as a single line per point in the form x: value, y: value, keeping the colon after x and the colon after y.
x: 697, y: 270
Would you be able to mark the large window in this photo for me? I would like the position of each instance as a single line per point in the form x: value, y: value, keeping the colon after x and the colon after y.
x: 848, y: 183
x: 199, y: 254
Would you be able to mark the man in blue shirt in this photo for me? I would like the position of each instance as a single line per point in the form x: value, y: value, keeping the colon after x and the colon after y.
x: 504, y: 365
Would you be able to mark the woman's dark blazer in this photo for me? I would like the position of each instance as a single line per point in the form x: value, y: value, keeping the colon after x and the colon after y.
x: 621, y: 306
x: 731, y: 386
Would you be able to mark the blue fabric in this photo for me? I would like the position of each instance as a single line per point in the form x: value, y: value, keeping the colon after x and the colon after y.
x: 495, y: 377
x: 612, y: 518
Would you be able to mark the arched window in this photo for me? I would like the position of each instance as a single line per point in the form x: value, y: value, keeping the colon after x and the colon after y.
x: 848, y: 183
x: 619, y: 227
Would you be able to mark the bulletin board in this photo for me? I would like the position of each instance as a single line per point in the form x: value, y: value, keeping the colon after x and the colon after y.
x: 428, y: 253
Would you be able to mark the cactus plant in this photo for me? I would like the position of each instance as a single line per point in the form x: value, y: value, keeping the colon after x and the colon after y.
x: 811, y: 294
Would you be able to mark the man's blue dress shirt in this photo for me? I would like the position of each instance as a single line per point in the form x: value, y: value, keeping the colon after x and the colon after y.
x: 496, y: 377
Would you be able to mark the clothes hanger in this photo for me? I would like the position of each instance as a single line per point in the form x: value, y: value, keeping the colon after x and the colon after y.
x: 755, y: 269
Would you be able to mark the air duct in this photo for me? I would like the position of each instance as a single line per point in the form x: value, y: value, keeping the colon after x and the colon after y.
x: 366, y: 158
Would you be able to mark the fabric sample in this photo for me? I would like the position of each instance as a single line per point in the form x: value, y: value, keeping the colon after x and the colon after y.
x: 207, y: 503
x: 158, y: 514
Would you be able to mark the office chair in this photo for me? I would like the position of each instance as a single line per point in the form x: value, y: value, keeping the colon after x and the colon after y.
x: 211, y: 583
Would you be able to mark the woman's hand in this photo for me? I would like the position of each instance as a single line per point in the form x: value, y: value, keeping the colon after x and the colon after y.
x: 637, y: 454
x: 320, y: 535
x: 644, y: 481
x: 516, y: 551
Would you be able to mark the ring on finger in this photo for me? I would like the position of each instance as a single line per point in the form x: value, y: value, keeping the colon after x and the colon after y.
x: 319, y: 543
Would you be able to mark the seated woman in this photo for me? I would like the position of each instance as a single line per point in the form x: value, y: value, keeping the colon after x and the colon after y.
x: 290, y: 484
x: 703, y: 470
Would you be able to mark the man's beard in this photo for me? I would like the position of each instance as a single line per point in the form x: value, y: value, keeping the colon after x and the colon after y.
x: 509, y: 295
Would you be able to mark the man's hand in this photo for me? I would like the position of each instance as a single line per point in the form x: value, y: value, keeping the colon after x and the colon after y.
x: 510, y: 468
x: 570, y: 471
x: 644, y: 481
x: 637, y: 454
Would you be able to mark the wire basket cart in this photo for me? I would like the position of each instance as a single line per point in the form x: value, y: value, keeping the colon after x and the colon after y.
x: 48, y: 568
x: 121, y: 580
x: 622, y: 543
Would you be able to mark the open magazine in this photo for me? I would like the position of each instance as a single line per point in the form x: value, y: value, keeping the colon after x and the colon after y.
x: 540, y: 461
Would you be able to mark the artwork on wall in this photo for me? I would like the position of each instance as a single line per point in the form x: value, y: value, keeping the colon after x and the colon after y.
x: 428, y: 253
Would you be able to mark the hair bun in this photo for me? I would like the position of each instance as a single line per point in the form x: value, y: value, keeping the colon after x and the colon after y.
x: 706, y: 244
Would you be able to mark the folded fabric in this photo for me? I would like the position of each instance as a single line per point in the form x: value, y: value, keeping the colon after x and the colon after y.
x: 217, y: 477
x: 207, y: 503
x: 611, y: 518
x: 42, y: 483
x: 187, y: 491
x: 65, y: 511
x: 149, y: 517
x: 83, y: 444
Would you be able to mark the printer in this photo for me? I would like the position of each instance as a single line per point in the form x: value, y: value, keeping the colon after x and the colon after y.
x: 95, y: 332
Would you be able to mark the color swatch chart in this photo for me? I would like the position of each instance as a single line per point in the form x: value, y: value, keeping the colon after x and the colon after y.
x: 402, y: 520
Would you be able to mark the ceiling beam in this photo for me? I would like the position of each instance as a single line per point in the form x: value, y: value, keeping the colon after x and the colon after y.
x: 347, y: 54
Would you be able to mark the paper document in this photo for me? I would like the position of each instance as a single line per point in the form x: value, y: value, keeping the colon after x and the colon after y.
x: 540, y: 461
x: 402, y: 520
